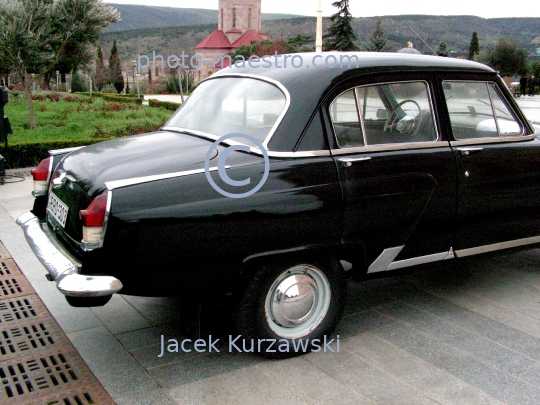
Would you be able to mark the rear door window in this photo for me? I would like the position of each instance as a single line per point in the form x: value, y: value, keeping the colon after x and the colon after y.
x: 478, y: 110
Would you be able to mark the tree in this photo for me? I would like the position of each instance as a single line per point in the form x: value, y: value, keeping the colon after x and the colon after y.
x: 36, y: 35
x: 535, y: 69
x: 507, y: 57
x: 377, y: 40
x: 340, y: 35
x: 115, y: 69
x: 77, y: 82
x: 474, y: 47
x: 443, y: 49
x: 102, y: 73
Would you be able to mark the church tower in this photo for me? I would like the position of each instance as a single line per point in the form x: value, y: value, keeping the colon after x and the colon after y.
x: 236, y: 17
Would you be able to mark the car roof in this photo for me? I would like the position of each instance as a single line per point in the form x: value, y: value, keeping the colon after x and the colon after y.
x: 307, y: 85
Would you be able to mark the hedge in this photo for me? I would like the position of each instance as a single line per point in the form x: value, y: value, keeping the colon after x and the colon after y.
x: 121, y: 98
x: 99, y: 94
x: 169, y: 105
x: 30, y: 154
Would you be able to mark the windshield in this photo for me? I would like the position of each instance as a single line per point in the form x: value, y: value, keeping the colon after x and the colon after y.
x: 232, y: 105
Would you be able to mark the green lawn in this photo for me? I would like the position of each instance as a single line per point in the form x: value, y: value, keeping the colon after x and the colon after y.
x: 64, y: 121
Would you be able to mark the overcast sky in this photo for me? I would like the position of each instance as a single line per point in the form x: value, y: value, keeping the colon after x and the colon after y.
x: 362, y: 8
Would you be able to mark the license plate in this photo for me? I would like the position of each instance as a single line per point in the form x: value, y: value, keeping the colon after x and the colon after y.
x: 57, y: 209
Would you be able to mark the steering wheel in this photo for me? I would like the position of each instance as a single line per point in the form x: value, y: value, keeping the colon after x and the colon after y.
x: 409, y: 124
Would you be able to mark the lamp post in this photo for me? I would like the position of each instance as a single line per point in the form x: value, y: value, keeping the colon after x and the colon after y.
x: 57, y: 74
x: 135, y: 76
x: 318, y: 39
x: 90, y: 79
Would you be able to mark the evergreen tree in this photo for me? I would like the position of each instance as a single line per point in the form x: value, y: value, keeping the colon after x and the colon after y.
x: 474, y: 47
x: 115, y: 70
x: 340, y: 35
x: 377, y: 40
x: 507, y: 57
x: 102, y: 73
x: 443, y: 49
x: 77, y: 82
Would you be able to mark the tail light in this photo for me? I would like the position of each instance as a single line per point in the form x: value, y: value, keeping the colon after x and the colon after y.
x: 41, y: 175
x: 94, y: 220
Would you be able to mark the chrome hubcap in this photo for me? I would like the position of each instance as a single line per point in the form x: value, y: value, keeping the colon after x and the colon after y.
x: 297, y: 301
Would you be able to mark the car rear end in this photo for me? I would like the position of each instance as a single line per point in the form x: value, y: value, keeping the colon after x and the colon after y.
x: 65, y: 224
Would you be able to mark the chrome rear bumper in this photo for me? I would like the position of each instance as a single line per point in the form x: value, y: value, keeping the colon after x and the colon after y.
x: 62, y: 269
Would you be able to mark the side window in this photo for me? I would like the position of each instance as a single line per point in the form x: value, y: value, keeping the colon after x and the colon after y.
x: 344, y: 115
x: 386, y: 113
x: 477, y: 110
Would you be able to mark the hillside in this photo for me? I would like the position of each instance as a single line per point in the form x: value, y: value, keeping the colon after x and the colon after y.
x: 456, y: 30
x: 139, y: 17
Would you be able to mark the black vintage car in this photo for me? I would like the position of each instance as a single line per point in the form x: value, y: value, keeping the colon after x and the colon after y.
x: 275, y: 182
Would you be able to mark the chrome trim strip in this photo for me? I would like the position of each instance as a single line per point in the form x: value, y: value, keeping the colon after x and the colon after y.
x: 253, y: 150
x: 55, y: 152
x: 385, y: 259
x: 419, y: 260
x: 112, y: 185
x: 315, y: 153
x: 497, y: 246
x: 483, y: 141
x: 390, y: 147
x: 63, y: 270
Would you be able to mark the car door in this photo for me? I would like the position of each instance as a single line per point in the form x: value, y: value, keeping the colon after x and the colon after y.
x: 498, y: 169
x: 398, y: 176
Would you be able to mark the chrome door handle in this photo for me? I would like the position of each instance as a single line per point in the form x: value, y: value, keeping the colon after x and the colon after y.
x: 348, y: 162
x: 469, y: 151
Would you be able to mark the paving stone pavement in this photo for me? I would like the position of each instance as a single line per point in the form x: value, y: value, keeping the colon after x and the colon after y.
x: 466, y: 332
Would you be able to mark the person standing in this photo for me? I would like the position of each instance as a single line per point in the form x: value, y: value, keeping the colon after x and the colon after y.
x: 532, y: 83
x: 523, y: 85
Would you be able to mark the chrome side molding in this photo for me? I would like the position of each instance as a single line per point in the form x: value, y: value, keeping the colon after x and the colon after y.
x: 497, y: 246
x: 383, y: 262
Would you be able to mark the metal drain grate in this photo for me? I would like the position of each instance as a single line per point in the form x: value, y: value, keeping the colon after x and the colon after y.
x: 14, y: 286
x: 89, y: 395
x: 22, y: 377
x: 38, y: 363
x: 21, y: 340
x: 8, y: 268
x: 22, y: 308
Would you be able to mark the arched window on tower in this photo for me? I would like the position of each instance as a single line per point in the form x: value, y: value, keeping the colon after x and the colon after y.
x: 249, y: 18
x: 234, y: 17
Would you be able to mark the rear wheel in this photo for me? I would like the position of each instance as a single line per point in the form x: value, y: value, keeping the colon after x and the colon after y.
x: 295, y: 300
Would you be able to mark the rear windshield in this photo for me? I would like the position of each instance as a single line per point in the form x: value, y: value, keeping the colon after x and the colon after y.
x: 232, y: 105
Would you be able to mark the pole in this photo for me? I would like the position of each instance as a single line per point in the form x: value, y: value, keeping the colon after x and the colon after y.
x: 90, y: 78
x: 318, y: 41
x: 138, y: 92
x: 180, y: 85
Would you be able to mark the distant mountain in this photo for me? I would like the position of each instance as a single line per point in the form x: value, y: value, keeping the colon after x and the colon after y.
x: 455, y: 30
x: 138, y: 17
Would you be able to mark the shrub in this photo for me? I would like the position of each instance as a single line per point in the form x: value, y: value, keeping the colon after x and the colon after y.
x: 120, y: 99
x: 30, y: 154
x: 54, y: 97
x: 169, y: 105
